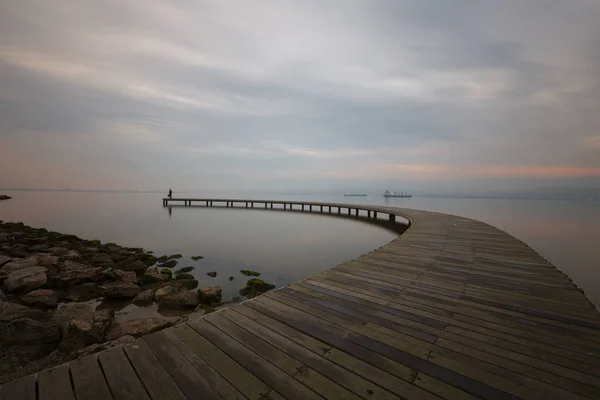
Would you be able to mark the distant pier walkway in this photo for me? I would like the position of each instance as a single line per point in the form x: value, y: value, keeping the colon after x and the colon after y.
x: 452, y: 309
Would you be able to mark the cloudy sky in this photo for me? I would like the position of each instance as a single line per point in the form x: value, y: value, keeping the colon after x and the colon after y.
x: 298, y: 94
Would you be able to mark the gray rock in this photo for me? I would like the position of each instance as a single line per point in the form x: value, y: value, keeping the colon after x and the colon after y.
x: 143, y: 299
x: 4, y: 260
x: 72, y: 273
x: 184, y: 270
x: 153, y: 278
x: 12, y: 311
x: 58, y: 251
x: 119, y: 290
x: 138, y: 327
x: 3, y: 296
x: 83, y: 292
x: 16, y: 265
x: 39, y: 248
x: 41, y: 298
x: 72, y: 255
x: 163, y: 291
x: 24, y: 330
x: 184, y: 276
x: 212, y: 274
x: 26, y: 279
x: 131, y: 264
x: 80, y: 333
x: 125, y: 276
x: 46, y: 260
x: 179, y: 299
x: 210, y: 295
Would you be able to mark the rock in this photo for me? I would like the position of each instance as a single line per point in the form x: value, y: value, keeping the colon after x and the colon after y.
x: 152, y: 270
x: 102, y: 260
x: 169, y: 264
x: 65, y: 314
x: 145, y: 298
x: 255, y: 287
x: 163, y: 291
x: 59, y: 251
x: 153, y: 278
x: 16, y: 265
x: 167, y: 272
x: 18, y: 251
x: 248, y: 272
x: 131, y: 264
x: 5, y: 197
x: 163, y: 259
x: 231, y: 278
x: 147, y: 259
x: 125, y: 276
x: 186, y: 283
x: 26, y: 279
x: 196, y: 258
x: 80, y: 333
x: 12, y: 311
x: 96, y: 347
x: 72, y: 273
x: 25, y: 330
x: 72, y: 255
x: 3, y: 296
x: 119, y: 290
x: 179, y: 299
x: 41, y: 298
x: 210, y: 295
x: 184, y: 276
x: 83, y: 292
x: 39, y: 248
x: 183, y: 270
x: 4, y: 260
x: 138, y: 327
x: 174, y: 256
x: 212, y: 274
x: 46, y: 260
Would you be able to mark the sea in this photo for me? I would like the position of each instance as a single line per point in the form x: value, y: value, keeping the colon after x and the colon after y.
x: 288, y: 246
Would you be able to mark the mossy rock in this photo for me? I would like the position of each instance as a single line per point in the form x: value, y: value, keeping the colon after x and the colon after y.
x: 147, y: 259
x: 168, y: 264
x: 255, y: 287
x: 163, y: 259
x: 196, y: 258
x: 174, y: 256
x: 184, y: 276
x: 249, y: 272
x: 212, y: 274
x: 184, y: 270
x: 166, y: 272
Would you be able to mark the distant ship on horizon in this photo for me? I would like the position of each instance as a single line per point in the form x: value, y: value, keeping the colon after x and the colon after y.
x: 396, y: 194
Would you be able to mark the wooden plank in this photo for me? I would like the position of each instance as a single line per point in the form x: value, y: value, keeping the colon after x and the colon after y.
x: 347, y: 379
x: 189, y: 380
x: 122, y: 380
x: 215, y: 381
x: 244, y: 381
x: 441, y: 389
x: 55, y: 384
x: 88, y: 380
x: 157, y: 381
x: 268, y: 373
x: 21, y: 389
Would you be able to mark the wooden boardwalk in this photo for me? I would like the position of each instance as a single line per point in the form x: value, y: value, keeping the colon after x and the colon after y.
x: 452, y: 309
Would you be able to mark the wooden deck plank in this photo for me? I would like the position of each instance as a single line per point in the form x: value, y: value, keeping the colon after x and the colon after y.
x: 22, y: 389
x: 88, y: 380
x: 156, y: 379
x: 55, y: 384
x: 122, y: 380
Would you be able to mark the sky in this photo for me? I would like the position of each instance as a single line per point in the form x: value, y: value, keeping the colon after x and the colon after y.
x: 300, y: 95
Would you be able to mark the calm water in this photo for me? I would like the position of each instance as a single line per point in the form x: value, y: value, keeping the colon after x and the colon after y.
x: 286, y: 246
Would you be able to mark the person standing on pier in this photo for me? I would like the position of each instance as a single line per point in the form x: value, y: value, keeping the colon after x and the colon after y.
x: 170, y: 193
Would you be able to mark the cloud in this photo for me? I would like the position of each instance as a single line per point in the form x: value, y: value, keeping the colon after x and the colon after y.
x: 302, y: 90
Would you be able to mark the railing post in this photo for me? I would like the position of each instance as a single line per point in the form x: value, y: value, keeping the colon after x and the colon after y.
x: 374, y: 214
x: 357, y: 212
x: 369, y: 214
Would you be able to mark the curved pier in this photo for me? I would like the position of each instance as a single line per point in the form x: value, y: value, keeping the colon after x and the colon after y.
x: 453, y: 308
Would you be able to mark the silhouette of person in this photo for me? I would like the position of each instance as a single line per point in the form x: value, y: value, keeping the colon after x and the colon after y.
x: 170, y: 193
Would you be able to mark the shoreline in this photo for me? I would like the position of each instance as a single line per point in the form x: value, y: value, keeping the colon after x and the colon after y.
x: 63, y: 297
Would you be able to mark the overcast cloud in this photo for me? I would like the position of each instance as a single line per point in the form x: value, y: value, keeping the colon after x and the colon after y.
x: 297, y: 94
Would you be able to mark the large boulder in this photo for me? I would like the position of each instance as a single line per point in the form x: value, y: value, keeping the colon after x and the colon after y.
x: 90, y: 329
x: 131, y: 264
x: 26, y: 279
x: 16, y: 265
x: 24, y: 330
x: 72, y: 273
x: 210, y: 295
x: 119, y: 290
x: 41, y: 298
x: 144, y: 299
x: 179, y: 299
x: 163, y: 291
x: 125, y: 276
x: 138, y: 327
x: 4, y: 260
x: 11, y: 311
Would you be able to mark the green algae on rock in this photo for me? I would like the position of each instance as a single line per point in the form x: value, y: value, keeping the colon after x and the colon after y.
x: 249, y: 272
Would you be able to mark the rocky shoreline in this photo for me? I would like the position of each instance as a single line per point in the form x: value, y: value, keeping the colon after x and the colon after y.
x: 56, y: 293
